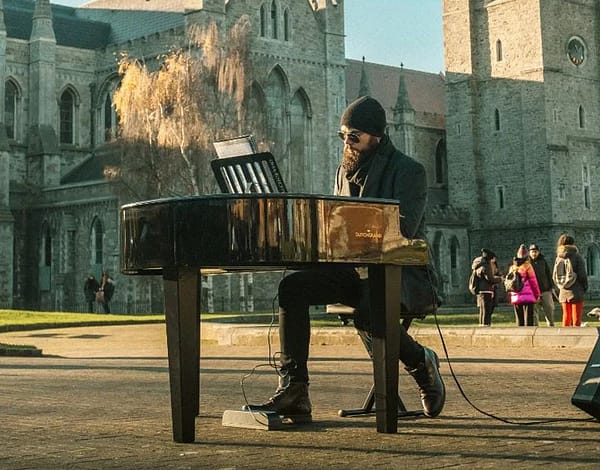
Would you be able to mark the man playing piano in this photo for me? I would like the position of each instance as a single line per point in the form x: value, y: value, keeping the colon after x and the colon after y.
x: 371, y: 167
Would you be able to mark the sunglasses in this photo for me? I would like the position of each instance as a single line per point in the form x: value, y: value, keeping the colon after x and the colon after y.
x: 353, y: 137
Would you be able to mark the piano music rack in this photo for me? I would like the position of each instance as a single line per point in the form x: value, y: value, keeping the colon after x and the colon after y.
x: 256, y: 173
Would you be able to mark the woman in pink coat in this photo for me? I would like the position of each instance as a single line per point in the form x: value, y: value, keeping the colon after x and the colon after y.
x: 524, y: 301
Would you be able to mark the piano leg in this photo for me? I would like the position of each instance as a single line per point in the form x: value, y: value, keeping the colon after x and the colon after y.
x: 384, y: 287
x: 182, y: 305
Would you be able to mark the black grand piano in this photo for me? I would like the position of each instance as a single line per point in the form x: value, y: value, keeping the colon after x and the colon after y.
x: 182, y: 238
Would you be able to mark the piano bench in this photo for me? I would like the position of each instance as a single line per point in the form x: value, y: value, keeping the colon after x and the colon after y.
x: 345, y: 313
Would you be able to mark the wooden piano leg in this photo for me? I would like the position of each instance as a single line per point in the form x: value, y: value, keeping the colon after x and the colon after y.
x: 182, y: 305
x: 384, y: 287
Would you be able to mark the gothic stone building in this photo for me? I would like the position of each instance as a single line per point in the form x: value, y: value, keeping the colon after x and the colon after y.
x: 523, y: 123
x: 59, y: 215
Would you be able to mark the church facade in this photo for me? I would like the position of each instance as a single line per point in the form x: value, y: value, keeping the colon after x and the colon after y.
x: 59, y: 214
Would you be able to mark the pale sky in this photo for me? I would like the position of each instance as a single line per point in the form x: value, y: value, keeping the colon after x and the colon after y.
x: 388, y: 32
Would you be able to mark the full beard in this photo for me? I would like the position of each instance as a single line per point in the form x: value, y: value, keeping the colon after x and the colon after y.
x: 353, y: 159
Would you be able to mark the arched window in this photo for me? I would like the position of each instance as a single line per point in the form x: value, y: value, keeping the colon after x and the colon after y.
x: 286, y: 25
x: 498, y: 50
x: 277, y: 93
x: 46, y: 258
x: 263, y: 21
x: 45, y: 264
x: 11, y: 96
x: 585, y: 173
x: 97, y: 243
x: 500, y: 197
x: 581, y: 117
x: 107, y: 121
x: 454, y: 250
x: 110, y: 119
x: 300, y: 142
x: 440, y: 259
x: 274, y: 32
x: 454, y: 253
x: 496, y: 119
x: 67, y: 115
x: 592, y: 261
x: 441, y: 164
x: 256, y: 109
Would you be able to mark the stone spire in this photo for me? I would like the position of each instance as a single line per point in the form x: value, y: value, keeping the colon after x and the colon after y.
x: 43, y: 107
x: 42, y: 21
x: 404, y: 119
x: 402, y: 100
x: 364, y: 88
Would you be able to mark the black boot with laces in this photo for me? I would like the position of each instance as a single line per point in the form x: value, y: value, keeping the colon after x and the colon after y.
x: 431, y: 386
x: 290, y: 401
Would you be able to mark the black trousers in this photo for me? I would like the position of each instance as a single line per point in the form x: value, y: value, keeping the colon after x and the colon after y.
x: 524, y: 314
x: 321, y: 286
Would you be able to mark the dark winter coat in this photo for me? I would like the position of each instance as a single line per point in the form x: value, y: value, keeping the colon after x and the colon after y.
x: 487, y: 274
x: 576, y: 292
x: 543, y: 273
x: 390, y: 174
x: 90, y: 288
x: 108, y: 286
x: 393, y: 175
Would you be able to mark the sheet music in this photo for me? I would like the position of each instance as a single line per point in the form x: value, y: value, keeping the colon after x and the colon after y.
x: 236, y: 147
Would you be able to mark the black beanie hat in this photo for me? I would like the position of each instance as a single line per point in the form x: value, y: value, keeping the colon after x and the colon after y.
x: 365, y: 114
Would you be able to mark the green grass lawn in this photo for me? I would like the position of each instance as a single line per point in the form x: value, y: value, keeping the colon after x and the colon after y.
x: 24, y: 319
x: 13, y: 319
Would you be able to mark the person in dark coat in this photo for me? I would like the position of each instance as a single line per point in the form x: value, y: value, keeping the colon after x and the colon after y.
x: 90, y: 287
x: 543, y: 274
x: 371, y: 167
x: 570, y: 276
x: 488, y: 278
x: 108, y: 288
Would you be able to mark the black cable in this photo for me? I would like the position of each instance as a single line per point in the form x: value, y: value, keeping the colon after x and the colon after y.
x: 462, y: 392
x: 272, y: 357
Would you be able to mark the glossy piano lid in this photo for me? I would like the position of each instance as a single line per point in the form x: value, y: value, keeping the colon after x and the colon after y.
x: 288, y: 230
x: 290, y: 196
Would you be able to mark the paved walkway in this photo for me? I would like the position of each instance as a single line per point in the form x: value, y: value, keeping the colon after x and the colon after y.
x: 99, y: 398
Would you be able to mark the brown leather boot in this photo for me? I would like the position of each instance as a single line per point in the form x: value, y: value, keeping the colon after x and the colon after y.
x: 290, y: 401
x: 431, y: 386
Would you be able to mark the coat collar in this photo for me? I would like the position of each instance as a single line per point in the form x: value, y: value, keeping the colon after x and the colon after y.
x: 377, y: 168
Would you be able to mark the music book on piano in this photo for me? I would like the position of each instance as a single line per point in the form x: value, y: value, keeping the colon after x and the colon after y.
x: 241, y: 170
x: 236, y: 147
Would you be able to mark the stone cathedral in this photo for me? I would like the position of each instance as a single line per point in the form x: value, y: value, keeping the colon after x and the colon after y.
x: 509, y: 133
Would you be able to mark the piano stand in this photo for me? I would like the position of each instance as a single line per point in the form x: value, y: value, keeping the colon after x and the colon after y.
x: 367, y: 408
x: 346, y: 313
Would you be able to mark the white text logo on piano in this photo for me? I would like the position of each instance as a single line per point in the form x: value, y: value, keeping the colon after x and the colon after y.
x: 368, y: 234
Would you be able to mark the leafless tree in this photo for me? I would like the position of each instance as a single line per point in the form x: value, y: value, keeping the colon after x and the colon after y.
x: 170, y: 114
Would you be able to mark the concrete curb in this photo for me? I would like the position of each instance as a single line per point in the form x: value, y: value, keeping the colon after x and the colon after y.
x: 523, y: 337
